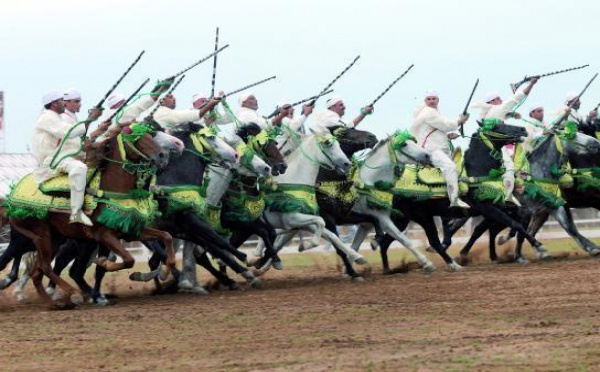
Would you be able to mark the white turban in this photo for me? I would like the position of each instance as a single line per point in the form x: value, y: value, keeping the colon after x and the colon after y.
x: 491, y: 96
x: 72, y: 93
x: 245, y: 96
x: 535, y: 106
x: 571, y: 96
x: 113, y: 99
x: 431, y: 93
x: 198, y: 96
x: 283, y: 103
x: 51, y: 97
x: 333, y: 100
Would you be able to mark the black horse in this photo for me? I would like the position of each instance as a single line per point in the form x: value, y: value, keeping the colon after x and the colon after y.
x: 482, y: 156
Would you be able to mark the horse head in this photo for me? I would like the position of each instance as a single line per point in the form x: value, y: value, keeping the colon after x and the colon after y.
x: 140, y: 143
x: 330, y: 154
x: 353, y: 140
x: 406, y: 149
x: 265, y: 145
x: 249, y: 164
x: 499, y: 134
x: 581, y: 149
x: 205, y: 142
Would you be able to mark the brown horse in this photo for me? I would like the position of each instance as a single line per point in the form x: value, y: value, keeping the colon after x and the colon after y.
x: 129, y: 163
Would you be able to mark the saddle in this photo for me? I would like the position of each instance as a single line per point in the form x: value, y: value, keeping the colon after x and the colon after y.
x: 423, y: 183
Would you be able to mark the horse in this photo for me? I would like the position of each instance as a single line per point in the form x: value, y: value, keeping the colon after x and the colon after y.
x: 548, y: 163
x: 482, y: 157
x: 130, y: 159
x: 292, y: 206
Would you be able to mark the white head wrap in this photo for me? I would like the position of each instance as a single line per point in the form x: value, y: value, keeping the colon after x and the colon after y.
x: 113, y: 99
x: 535, y: 106
x: 198, y: 96
x: 72, y: 93
x: 431, y: 93
x: 570, y: 96
x: 51, y: 97
x: 333, y: 100
x: 283, y: 103
x: 491, y: 96
x: 245, y: 96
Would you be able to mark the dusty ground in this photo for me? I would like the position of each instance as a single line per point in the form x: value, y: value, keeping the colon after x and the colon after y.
x: 307, y: 318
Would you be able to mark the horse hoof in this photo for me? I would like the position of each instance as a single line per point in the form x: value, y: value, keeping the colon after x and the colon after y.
x: 256, y: 283
x: 277, y: 265
x: 360, y: 260
x: 136, y: 276
x: 101, y: 301
x: 101, y: 261
x: 301, y: 248
x: 21, y: 298
x: 199, y: 290
x: 50, y: 290
x: 62, y: 306
x: 429, y: 267
x: 186, y: 285
x: 234, y: 286
x: 430, y: 249
x: 522, y: 261
x: 358, y: 279
x: 4, y: 283
x: 545, y: 256
x: 594, y: 251
x: 456, y: 267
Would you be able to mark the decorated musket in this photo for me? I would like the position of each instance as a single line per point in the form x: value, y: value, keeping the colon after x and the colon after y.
x: 391, y: 85
x: 115, y: 85
x: 194, y: 64
x: 462, y: 129
x: 276, y: 111
x: 312, y: 103
x: 516, y: 86
x: 214, y: 75
x: 570, y: 105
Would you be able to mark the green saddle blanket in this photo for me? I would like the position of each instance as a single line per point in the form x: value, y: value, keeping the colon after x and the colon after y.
x: 27, y: 200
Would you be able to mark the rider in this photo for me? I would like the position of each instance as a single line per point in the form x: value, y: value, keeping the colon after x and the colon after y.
x: 496, y: 108
x: 583, y: 125
x: 431, y: 130
x: 72, y: 100
x: 332, y: 117
x: 247, y: 113
x: 168, y: 117
x: 534, y: 125
x: 57, y: 147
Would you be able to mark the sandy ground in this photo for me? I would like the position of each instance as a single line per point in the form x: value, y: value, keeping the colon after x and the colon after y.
x: 509, y: 317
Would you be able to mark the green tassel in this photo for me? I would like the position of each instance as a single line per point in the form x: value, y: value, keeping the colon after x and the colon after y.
x: 536, y: 193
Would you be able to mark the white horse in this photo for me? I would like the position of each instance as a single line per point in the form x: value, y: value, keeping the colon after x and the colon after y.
x: 220, y: 178
x: 293, y: 206
x: 378, y: 168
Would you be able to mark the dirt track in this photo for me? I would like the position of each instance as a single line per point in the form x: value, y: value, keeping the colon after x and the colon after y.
x: 491, y: 317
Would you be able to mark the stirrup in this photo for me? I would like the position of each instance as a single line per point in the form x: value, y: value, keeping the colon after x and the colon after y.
x: 80, y: 217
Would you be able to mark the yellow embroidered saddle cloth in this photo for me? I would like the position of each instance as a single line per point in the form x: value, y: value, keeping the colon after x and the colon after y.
x: 420, y: 183
x: 52, y: 195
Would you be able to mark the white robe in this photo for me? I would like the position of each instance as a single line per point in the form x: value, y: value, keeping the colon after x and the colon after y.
x: 327, y: 119
x: 168, y: 118
x: 246, y: 116
x: 431, y: 129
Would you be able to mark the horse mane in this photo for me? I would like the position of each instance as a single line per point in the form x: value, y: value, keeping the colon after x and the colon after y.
x: 542, y: 145
x: 250, y: 129
x: 381, y: 143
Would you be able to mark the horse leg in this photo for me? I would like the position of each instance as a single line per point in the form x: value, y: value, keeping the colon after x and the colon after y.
x: 565, y: 219
x: 189, y: 278
x: 107, y: 238
x: 383, y: 249
x: 85, y: 250
x: 203, y: 261
x: 67, y: 252
x: 481, y: 228
x: 30, y: 258
x: 348, y: 268
x: 450, y: 226
x: 19, y: 245
x: 428, y: 224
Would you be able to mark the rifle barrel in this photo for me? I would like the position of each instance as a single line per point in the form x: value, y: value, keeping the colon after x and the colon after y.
x: 391, y: 85
x: 312, y: 103
x: 198, y: 62
x: 115, y: 85
x: 214, y: 75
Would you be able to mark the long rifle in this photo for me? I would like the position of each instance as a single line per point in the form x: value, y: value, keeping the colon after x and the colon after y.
x: 572, y: 102
x: 462, y: 129
x: 170, y: 91
x: 248, y: 86
x: 312, y: 103
x: 390, y: 86
x: 212, y: 89
x: 112, y: 89
x: 516, y: 86
x: 196, y: 63
x: 300, y: 102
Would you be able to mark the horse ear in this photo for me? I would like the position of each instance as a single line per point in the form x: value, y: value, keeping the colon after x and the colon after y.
x: 479, y: 122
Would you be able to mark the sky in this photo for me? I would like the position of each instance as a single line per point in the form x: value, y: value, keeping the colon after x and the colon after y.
x: 54, y: 45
